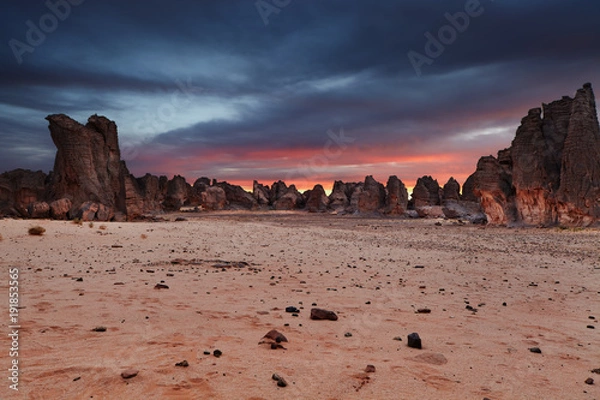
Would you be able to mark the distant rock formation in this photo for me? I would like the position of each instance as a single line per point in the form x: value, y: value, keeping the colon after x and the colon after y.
x: 396, y: 201
x: 317, y: 200
x: 551, y: 173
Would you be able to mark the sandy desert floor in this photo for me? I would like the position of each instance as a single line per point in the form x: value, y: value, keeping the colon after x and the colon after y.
x: 230, y: 277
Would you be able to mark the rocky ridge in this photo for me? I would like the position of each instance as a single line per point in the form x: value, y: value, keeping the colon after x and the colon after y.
x: 550, y: 175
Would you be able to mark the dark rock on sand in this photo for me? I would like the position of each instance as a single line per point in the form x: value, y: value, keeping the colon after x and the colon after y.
x: 320, y: 314
x: 129, y: 373
x: 414, y: 341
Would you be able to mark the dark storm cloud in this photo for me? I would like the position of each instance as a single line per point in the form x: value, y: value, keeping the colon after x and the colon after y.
x: 315, y: 66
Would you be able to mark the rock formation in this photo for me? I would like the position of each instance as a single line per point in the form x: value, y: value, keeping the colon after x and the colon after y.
x: 551, y: 173
x: 426, y: 192
x: 88, y: 162
x: 292, y: 199
x: 317, y: 200
x: 19, y: 189
x: 396, y: 201
x: 372, y: 196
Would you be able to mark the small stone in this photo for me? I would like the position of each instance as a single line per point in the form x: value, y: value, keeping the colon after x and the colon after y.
x: 129, y: 373
x: 79, y: 280
x: 596, y: 371
x: 414, y: 341
x: 217, y: 353
x: 504, y: 304
x: 99, y: 329
x: 76, y: 379
x: 291, y: 309
x: 535, y: 350
x: 398, y: 338
x: 419, y: 266
x: 591, y: 327
x: 276, y: 336
x: 348, y: 334
x: 370, y: 369
x: 320, y: 314
x: 589, y: 381
x: 161, y: 286
x: 280, y: 381
x: 423, y: 311
x: 207, y: 353
x: 183, y: 363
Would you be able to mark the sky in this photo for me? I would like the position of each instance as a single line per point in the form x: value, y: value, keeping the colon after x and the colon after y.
x: 304, y: 91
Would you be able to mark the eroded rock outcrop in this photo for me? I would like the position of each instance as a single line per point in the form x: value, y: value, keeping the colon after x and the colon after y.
x: 19, y: 189
x: 372, y: 196
x: 88, y: 162
x: 396, y: 201
x: 426, y: 192
x: 317, y: 200
x: 551, y: 173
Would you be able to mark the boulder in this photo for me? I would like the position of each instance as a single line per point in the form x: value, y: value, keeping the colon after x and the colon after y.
x: 39, y: 209
x: 59, y: 209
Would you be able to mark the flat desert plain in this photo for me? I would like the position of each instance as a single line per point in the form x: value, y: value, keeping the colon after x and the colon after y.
x: 493, y: 294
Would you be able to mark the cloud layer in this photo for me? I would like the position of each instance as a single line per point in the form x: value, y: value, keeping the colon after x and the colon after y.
x: 208, y: 89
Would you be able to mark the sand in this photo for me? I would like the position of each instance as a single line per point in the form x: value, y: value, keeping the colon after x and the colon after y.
x: 528, y: 288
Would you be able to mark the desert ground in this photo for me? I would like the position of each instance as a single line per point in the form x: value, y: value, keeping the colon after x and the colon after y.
x: 493, y: 294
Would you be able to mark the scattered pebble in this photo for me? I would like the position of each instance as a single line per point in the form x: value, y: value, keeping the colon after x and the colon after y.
x: 370, y: 369
x: 207, y: 353
x: 398, y: 338
x: 535, y: 350
x: 280, y: 381
x: 589, y: 381
x: 291, y: 309
x: 423, y: 311
x: 591, y: 327
x: 217, y: 353
x: 348, y: 334
x: 161, y: 286
x: 183, y: 363
x: 99, y: 329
